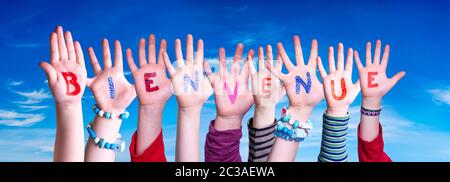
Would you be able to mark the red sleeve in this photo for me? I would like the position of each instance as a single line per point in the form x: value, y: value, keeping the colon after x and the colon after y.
x: 154, y: 153
x: 372, y: 151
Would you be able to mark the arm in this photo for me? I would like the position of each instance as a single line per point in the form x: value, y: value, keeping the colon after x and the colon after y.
x: 113, y: 95
x: 66, y: 76
x: 374, y: 85
x: 304, y: 92
x: 153, y: 89
x: 192, y: 90
x: 233, y: 99
x: 340, y: 92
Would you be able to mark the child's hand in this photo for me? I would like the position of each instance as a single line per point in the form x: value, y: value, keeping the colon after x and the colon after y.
x: 267, y: 89
x: 66, y: 72
x: 190, y: 85
x: 232, y: 96
x: 339, y: 90
x: 112, y: 91
x: 374, y: 81
x: 302, y: 86
x: 152, y: 85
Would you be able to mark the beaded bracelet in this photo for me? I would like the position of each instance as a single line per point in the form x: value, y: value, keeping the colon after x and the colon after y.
x: 109, y: 115
x: 290, y: 129
x: 369, y: 112
x: 119, y: 145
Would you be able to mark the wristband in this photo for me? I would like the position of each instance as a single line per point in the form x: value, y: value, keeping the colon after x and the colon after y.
x: 290, y: 129
x: 118, y: 145
x: 369, y: 112
x: 109, y: 115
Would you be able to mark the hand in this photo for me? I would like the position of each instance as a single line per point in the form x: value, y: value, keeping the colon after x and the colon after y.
x: 66, y: 72
x: 374, y: 81
x: 267, y: 89
x: 339, y: 90
x: 232, y: 96
x: 153, y: 88
x: 302, y: 86
x: 190, y: 86
x: 112, y: 91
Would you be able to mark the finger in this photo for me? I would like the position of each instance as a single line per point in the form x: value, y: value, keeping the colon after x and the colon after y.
x: 54, y: 51
x: 162, y: 49
x: 222, y: 62
x: 368, y: 54
x: 178, y: 53
x: 189, y: 49
x: 385, y: 59
x: 200, y: 52
x: 251, y: 67
x: 313, y: 53
x: 169, y: 65
x: 269, y: 54
x: 237, y: 59
x: 118, y: 57
x: 141, y: 53
x: 151, y: 49
x: 279, y: 63
x: 277, y: 73
x: 245, y: 70
x: 340, y: 63
x: 298, y: 51
x: 61, y: 43
x: 358, y: 61
x: 208, y: 72
x: 79, y: 54
x: 284, y: 57
x: 106, y: 54
x: 261, y: 59
x: 331, y: 64
x: 397, y: 77
x: 130, y: 61
x: 70, y: 47
x: 349, y: 63
x: 322, y: 71
x: 94, y: 61
x: 49, y: 71
x: 376, y: 57
x: 357, y: 88
x: 89, y: 82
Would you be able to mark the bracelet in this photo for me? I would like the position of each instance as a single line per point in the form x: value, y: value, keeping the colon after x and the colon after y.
x: 109, y: 115
x: 119, y: 145
x: 369, y: 112
x: 291, y: 130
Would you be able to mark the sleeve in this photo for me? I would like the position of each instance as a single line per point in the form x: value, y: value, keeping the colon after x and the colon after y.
x: 334, y: 135
x: 372, y: 151
x: 154, y: 153
x: 222, y: 146
x: 261, y: 141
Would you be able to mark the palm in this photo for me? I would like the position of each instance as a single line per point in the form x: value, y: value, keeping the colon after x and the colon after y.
x: 227, y: 106
x: 59, y: 89
x: 262, y: 95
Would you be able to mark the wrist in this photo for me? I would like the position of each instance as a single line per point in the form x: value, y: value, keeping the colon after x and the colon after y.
x: 337, y: 111
x: 371, y: 103
x: 227, y: 122
x: 151, y: 108
x: 301, y: 113
x: 263, y: 116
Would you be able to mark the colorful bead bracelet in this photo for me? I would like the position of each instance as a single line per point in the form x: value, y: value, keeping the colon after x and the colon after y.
x: 119, y: 145
x: 109, y: 115
x: 369, y: 112
x: 290, y: 129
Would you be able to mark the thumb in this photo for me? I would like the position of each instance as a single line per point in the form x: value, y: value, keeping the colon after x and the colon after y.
x: 396, y: 78
x: 49, y: 71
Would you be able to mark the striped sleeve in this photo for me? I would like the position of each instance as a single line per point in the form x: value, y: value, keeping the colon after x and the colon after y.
x: 334, y: 135
x: 260, y: 142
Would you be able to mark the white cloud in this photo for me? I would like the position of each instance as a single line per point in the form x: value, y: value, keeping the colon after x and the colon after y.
x: 13, y: 118
x: 27, y: 144
x: 15, y: 83
x: 33, y: 107
x: 441, y: 96
x: 33, y: 97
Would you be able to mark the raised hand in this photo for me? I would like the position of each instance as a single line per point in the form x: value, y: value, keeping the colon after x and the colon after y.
x: 66, y: 72
x: 112, y: 91
x: 267, y: 89
x: 232, y: 96
x: 339, y: 89
x: 153, y: 88
x: 374, y: 81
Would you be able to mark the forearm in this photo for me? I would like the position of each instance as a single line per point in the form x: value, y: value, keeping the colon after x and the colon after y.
x: 108, y: 129
x: 334, y: 137
x: 223, y: 123
x: 187, y: 145
x: 69, y: 142
x: 369, y: 125
x: 263, y: 116
x: 283, y: 150
x: 149, y: 127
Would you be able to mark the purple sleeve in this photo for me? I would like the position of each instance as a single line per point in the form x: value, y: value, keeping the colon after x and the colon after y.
x: 222, y: 146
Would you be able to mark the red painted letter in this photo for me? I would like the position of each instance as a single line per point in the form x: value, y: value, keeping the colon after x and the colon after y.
x: 71, y: 79
x: 266, y: 84
x: 149, y: 81
x: 343, y: 88
x: 370, y: 78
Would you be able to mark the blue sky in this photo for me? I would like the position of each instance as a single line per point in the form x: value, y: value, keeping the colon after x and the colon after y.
x: 415, y: 112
